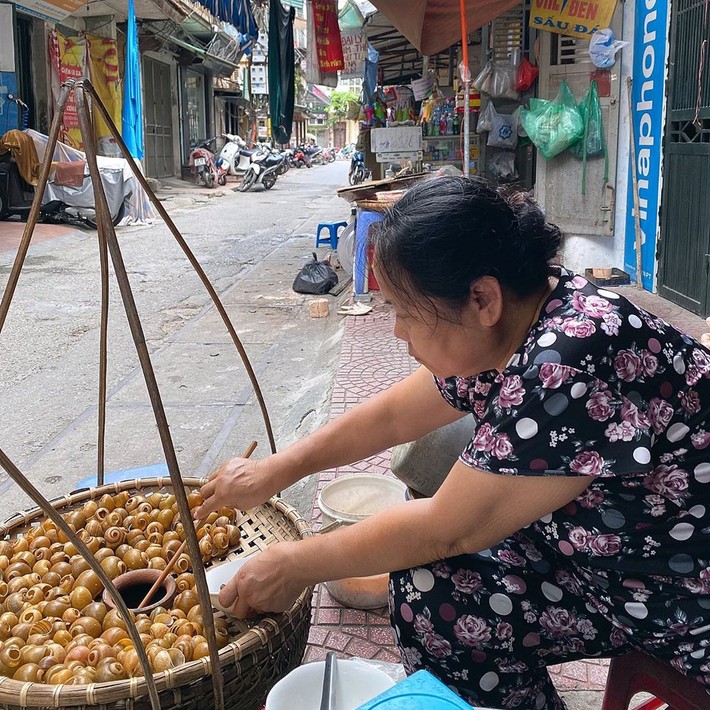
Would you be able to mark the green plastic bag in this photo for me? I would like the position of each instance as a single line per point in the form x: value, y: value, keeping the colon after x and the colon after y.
x: 592, y: 142
x: 553, y: 126
x: 593, y: 139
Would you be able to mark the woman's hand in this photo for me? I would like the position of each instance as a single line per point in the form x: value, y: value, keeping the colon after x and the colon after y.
x: 269, y: 582
x: 238, y: 483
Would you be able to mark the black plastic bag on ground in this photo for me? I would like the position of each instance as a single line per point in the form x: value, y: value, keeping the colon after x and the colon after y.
x: 316, y: 277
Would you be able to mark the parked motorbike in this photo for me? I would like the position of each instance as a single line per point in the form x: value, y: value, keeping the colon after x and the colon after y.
x: 264, y: 168
x: 301, y: 158
x: 62, y: 203
x: 234, y: 155
x: 358, y: 171
x: 202, y: 160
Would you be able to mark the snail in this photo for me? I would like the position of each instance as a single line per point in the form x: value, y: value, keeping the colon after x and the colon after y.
x: 51, y: 628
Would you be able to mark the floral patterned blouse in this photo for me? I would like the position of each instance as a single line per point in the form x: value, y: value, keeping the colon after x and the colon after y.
x: 602, y: 388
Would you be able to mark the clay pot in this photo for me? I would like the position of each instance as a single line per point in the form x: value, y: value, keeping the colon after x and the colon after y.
x: 141, y: 581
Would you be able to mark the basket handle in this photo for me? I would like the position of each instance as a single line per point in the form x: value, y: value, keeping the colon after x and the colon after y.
x: 59, y: 521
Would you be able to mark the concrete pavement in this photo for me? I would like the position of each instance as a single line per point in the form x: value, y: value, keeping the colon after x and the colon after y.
x: 251, y: 245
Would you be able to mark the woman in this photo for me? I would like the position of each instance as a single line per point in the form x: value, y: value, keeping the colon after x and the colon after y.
x: 574, y: 524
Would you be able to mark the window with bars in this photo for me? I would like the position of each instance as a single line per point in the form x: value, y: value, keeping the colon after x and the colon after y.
x: 509, y: 33
x: 568, y: 50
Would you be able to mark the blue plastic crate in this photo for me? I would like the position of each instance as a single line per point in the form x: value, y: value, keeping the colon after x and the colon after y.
x: 420, y: 691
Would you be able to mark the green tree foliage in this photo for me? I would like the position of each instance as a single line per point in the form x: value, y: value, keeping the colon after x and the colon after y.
x: 338, y: 107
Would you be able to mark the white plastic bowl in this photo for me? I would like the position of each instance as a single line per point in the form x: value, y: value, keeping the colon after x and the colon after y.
x: 355, y: 684
x: 219, y: 575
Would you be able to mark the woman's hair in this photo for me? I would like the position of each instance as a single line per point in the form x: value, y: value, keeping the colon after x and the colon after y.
x: 447, y: 232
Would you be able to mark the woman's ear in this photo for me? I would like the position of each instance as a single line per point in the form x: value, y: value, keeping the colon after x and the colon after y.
x: 486, y: 297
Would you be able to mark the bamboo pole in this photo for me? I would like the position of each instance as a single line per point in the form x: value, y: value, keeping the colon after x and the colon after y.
x: 98, y: 104
x: 108, y: 232
x: 93, y: 563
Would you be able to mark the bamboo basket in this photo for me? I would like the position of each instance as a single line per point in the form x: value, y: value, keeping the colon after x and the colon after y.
x: 261, y: 653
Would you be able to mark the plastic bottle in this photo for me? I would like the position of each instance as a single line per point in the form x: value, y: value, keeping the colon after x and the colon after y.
x: 437, y: 122
x: 456, y: 124
x: 449, y: 124
x: 442, y: 124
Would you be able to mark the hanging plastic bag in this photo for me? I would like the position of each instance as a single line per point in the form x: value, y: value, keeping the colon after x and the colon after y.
x: 603, y: 48
x: 553, y: 126
x: 527, y: 73
x: 592, y: 142
x: 504, y: 130
x: 485, y: 120
x: 316, y: 277
x: 502, y: 166
x: 497, y: 79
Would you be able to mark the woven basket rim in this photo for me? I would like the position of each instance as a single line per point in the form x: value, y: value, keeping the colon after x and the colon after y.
x: 261, y: 634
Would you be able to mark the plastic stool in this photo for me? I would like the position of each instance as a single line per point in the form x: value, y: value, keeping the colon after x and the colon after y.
x: 638, y: 672
x: 332, y: 238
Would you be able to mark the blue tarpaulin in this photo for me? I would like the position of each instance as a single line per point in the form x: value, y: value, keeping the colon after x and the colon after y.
x: 132, y: 113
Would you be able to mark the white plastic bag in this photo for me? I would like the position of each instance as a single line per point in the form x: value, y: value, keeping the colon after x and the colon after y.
x: 504, y: 130
x: 485, y: 120
x: 502, y: 166
x: 497, y: 79
x: 603, y: 48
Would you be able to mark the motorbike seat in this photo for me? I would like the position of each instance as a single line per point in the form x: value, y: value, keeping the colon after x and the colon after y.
x: 247, y: 153
x: 273, y: 160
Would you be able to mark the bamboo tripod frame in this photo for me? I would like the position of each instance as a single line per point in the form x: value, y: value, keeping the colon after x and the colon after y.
x: 86, y: 98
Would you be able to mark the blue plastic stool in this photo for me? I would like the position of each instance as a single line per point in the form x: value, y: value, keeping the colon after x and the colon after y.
x: 332, y: 238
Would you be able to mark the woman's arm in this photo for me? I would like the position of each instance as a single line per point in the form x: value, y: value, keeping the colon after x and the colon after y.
x: 471, y: 511
x: 403, y: 412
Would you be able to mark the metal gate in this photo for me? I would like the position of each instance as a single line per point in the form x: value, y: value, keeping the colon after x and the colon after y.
x: 685, y: 207
x: 158, y: 111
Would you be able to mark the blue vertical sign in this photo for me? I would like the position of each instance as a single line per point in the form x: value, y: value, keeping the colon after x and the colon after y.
x: 8, y: 77
x: 647, y: 111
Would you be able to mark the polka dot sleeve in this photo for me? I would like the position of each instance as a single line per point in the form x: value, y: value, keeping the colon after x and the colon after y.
x: 553, y: 419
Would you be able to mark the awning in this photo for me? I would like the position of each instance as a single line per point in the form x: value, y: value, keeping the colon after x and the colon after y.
x: 205, y: 55
x: 434, y: 25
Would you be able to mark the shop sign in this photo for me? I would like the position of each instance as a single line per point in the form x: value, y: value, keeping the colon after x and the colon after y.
x: 576, y: 18
x: 328, y: 42
x: 647, y: 114
x: 397, y: 143
x: 68, y: 56
x: 50, y: 10
x: 422, y: 88
x: 354, y: 54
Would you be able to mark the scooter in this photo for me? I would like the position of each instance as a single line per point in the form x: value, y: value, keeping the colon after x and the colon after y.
x: 358, y: 171
x: 301, y: 158
x: 264, y: 169
x: 62, y: 203
x: 234, y: 155
x: 202, y: 160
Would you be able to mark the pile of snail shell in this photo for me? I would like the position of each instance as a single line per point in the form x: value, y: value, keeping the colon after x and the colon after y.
x: 52, y: 628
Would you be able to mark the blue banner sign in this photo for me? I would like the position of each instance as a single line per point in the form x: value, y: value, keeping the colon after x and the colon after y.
x: 647, y: 112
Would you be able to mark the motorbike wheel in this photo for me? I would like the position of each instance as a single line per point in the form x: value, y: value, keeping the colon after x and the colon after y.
x: 248, y: 181
x: 269, y: 181
x: 351, y: 177
x: 3, y: 207
x: 299, y: 164
x: 91, y: 221
x: 360, y: 175
x: 208, y: 177
x: 222, y: 179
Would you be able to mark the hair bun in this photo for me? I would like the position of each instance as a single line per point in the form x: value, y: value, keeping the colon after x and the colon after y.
x: 536, y: 234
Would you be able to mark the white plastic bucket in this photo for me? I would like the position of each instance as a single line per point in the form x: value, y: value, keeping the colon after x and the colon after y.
x: 353, y: 498
x: 349, y: 500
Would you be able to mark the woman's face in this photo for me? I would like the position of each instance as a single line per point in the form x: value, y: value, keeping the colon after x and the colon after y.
x: 444, y: 347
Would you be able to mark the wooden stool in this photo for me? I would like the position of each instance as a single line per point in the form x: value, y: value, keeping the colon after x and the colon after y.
x: 637, y: 672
